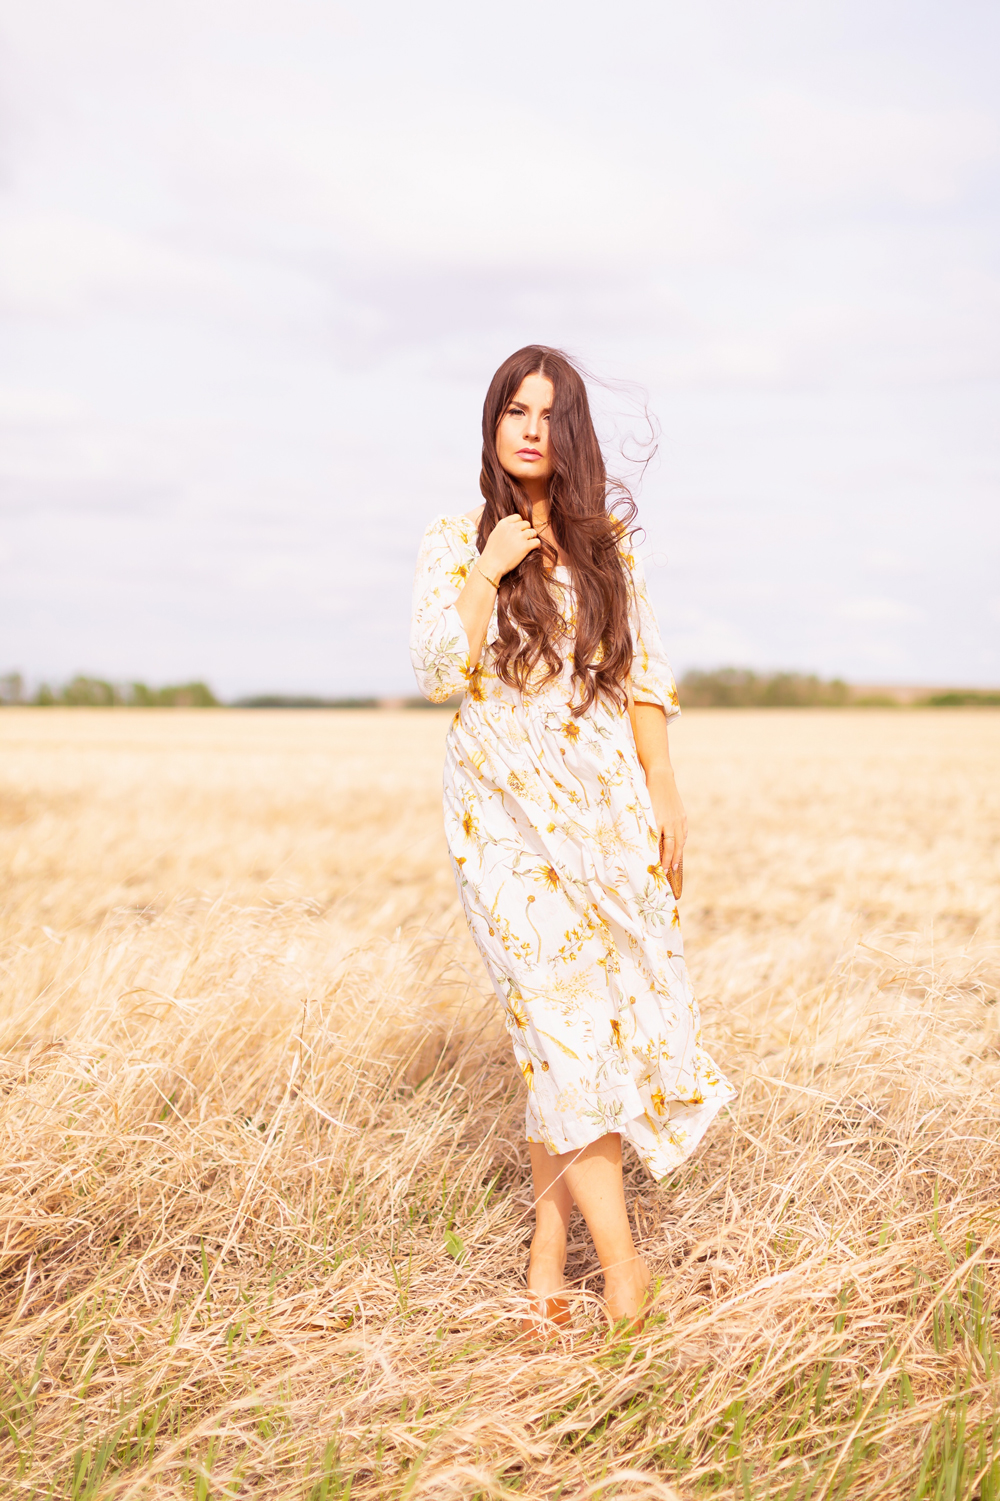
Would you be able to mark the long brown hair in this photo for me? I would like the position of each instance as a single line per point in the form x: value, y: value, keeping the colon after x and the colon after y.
x: 583, y: 504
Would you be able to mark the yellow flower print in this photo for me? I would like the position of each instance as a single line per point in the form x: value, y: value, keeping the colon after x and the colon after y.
x: 560, y: 1045
x: 529, y: 782
x: 527, y: 917
x: 517, y: 1014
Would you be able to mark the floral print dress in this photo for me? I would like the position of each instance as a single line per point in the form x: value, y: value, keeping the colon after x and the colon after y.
x: 552, y: 839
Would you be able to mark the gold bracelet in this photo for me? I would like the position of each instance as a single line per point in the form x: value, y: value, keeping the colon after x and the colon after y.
x: 487, y: 578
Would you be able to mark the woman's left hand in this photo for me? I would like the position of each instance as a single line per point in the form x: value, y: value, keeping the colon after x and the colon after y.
x: 668, y: 811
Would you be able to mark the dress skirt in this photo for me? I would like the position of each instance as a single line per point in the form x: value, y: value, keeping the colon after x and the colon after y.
x: 556, y: 855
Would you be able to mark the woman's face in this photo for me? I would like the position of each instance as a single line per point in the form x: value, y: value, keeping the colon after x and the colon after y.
x: 523, y: 431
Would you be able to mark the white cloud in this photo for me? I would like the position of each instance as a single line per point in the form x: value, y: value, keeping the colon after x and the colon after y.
x: 257, y: 262
x: 698, y: 639
x: 53, y: 261
x: 24, y: 406
x: 889, y: 561
x: 835, y: 148
x: 879, y: 611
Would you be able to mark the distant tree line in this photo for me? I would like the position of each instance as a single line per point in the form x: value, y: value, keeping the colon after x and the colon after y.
x: 98, y: 693
x: 726, y: 688
x: 963, y: 698
x: 302, y: 701
x: 740, y: 688
x: 311, y: 701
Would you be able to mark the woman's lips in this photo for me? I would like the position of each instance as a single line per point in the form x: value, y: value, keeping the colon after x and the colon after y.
x: 528, y: 453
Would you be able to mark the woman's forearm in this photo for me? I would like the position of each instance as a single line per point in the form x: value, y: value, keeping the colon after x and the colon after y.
x: 651, y: 742
x: 653, y: 749
x: 508, y: 544
x: 475, y: 610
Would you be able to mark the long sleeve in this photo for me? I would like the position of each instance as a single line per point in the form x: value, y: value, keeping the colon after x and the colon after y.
x: 652, y: 678
x: 439, y: 647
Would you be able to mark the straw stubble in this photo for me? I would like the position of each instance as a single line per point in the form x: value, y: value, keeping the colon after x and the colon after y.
x: 265, y: 1189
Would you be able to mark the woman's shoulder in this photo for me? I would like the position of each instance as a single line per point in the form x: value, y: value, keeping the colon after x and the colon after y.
x: 456, y: 530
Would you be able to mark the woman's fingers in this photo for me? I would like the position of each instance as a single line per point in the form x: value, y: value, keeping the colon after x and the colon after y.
x: 672, y: 840
x: 510, y: 541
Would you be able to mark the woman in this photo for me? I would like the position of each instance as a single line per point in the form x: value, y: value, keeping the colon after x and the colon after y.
x: 563, y: 820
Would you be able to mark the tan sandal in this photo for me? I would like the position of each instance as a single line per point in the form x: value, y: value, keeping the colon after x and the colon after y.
x: 550, y: 1316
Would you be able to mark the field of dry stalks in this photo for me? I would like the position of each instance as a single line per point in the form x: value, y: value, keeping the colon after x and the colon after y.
x: 265, y: 1197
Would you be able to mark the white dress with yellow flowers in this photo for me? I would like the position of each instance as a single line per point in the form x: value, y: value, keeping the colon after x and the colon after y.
x: 551, y: 833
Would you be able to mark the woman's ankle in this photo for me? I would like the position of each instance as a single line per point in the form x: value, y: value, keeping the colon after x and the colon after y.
x: 630, y: 1269
x: 626, y: 1288
x: 547, y: 1261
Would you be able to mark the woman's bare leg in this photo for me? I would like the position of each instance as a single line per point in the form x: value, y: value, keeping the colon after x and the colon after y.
x: 593, y: 1176
x: 553, y: 1207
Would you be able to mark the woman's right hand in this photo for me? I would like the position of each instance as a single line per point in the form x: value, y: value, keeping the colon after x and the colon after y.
x: 508, y: 543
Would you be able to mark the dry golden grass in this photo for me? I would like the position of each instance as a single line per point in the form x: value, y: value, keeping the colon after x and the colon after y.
x: 265, y: 1196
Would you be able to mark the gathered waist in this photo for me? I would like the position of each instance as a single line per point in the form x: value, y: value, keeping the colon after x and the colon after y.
x: 503, y: 703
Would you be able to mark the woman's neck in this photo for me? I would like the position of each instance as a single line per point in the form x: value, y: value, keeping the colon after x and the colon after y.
x: 537, y: 491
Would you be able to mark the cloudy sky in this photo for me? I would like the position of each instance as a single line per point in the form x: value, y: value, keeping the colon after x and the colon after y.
x: 259, y: 260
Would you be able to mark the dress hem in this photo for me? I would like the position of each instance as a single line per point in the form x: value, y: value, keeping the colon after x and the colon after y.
x: 658, y: 1155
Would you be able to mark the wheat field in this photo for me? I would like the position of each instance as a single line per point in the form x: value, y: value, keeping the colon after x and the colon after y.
x: 265, y: 1199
